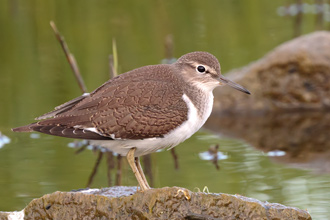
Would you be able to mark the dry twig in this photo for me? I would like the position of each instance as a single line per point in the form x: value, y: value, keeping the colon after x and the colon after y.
x: 69, y: 57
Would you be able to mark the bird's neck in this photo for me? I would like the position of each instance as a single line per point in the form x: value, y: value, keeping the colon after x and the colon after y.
x: 202, y: 100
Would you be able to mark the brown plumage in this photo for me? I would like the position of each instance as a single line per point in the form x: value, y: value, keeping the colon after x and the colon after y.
x: 141, y: 111
x: 130, y: 106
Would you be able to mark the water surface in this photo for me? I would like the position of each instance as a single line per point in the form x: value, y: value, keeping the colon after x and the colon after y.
x: 35, y: 77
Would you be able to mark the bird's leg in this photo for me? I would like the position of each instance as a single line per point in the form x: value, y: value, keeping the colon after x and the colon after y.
x: 138, y: 165
x: 132, y: 162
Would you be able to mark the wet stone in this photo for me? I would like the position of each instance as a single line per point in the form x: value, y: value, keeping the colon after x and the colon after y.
x: 163, y: 203
x: 294, y: 76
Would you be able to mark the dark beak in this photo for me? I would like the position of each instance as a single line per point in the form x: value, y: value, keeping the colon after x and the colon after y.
x: 234, y: 85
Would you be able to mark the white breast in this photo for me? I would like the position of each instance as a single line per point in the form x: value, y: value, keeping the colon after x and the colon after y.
x: 196, y: 119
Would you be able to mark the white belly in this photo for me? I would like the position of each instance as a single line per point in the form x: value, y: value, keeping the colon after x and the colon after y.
x: 184, y: 131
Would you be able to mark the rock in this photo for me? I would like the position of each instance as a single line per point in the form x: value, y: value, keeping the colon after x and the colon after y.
x: 165, y: 203
x: 294, y: 76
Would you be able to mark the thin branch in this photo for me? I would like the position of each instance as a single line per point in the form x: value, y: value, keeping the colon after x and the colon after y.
x: 213, y: 150
x: 110, y: 166
x: 320, y: 7
x: 81, y: 149
x: 169, y: 47
x: 175, y: 158
x: 96, y: 166
x: 118, y: 174
x: 298, y: 19
x: 147, y: 165
x: 111, y: 67
x: 113, y: 60
x: 69, y: 57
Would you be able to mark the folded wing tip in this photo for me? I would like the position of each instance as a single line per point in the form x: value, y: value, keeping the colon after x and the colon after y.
x: 25, y: 128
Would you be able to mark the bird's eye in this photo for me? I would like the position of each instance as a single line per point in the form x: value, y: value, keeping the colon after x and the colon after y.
x: 201, y: 69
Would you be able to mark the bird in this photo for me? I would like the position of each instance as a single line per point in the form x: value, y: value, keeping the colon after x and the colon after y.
x: 141, y: 111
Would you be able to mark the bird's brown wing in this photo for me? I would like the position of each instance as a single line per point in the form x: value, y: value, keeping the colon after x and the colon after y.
x: 63, y: 108
x: 126, y: 110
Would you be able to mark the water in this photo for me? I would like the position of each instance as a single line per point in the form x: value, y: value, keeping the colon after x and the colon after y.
x: 35, y: 77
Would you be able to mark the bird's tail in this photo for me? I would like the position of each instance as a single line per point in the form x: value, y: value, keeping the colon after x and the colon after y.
x: 25, y: 128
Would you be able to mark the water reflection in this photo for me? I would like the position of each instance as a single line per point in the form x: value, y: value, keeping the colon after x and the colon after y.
x: 304, y: 137
x: 114, y: 162
x: 3, y: 140
x: 213, y: 154
x: 299, y: 8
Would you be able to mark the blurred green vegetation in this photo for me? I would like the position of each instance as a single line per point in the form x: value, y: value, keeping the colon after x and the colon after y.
x: 35, y: 77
